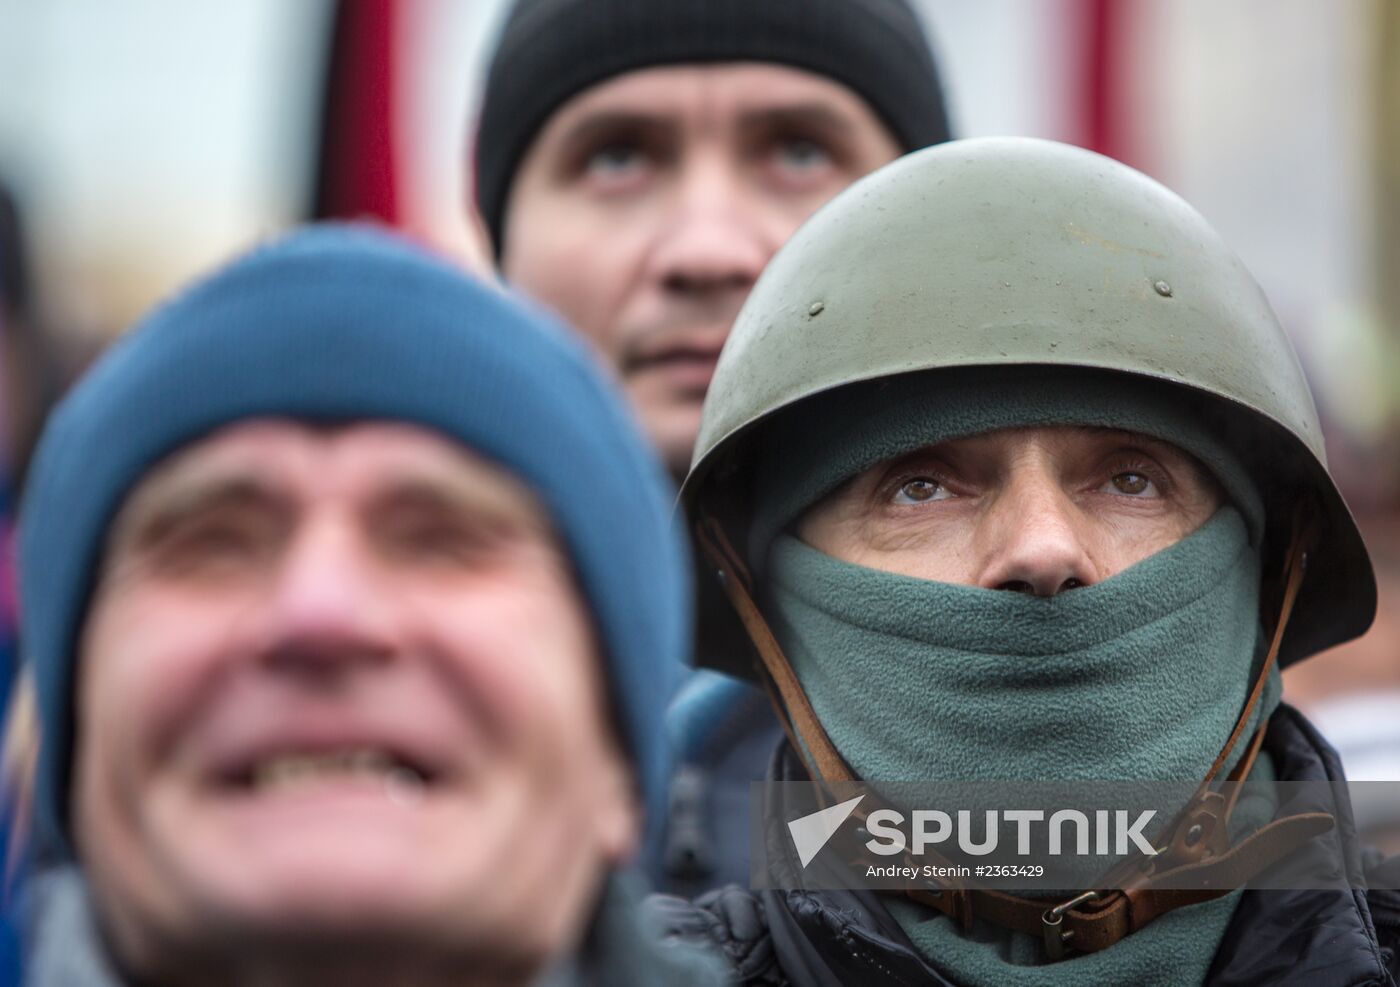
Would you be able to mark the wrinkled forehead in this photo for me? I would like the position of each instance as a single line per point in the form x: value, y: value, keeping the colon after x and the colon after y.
x: 299, y: 462
x: 728, y: 95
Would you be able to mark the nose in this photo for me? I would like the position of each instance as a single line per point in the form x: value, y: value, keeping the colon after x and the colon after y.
x: 326, y: 615
x: 713, y: 246
x: 1033, y: 541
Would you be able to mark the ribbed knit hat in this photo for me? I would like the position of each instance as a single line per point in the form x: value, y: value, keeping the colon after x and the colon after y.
x: 342, y: 324
x: 551, y: 50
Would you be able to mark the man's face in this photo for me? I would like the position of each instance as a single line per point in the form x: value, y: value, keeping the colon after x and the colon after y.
x: 649, y: 204
x: 1035, y: 510
x: 338, y: 689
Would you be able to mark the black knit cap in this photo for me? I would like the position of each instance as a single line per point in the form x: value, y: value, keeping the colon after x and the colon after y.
x: 550, y: 50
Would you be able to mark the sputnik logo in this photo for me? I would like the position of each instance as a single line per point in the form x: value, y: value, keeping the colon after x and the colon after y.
x: 811, y: 832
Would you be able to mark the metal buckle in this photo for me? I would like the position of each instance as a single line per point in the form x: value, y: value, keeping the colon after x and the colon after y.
x: 1052, y: 923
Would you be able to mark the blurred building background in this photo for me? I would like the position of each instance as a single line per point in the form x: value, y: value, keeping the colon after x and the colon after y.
x: 143, y: 140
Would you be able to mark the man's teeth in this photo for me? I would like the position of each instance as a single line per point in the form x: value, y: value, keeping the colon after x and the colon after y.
x: 288, y: 770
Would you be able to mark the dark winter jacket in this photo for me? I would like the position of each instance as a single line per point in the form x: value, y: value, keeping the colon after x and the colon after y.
x: 1279, y: 938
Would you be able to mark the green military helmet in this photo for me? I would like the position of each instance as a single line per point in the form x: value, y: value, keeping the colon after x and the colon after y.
x: 1016, y: 251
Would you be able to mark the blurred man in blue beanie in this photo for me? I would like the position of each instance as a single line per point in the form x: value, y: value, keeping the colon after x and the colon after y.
x: 352, y: 606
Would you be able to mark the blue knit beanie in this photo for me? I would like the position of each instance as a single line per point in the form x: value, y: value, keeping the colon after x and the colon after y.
x: 342, y: 323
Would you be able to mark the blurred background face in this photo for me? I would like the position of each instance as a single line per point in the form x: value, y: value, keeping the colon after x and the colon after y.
x: 1033, y: 510
x: 649, y: 204
x: 339, y: 692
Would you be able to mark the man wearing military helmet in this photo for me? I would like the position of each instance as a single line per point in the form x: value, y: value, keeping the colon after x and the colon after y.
x: 1009, y: 472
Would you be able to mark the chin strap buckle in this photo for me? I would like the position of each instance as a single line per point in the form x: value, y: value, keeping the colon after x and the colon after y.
x: 1052, y: 924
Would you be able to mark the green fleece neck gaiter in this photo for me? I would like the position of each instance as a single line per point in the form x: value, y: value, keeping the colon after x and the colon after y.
x: 1140, y: 676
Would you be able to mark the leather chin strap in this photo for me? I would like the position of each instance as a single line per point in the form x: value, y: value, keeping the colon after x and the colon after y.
x: 1197, y: 858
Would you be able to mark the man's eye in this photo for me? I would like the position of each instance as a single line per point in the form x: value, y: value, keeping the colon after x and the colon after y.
x: 209, y: 545
x: 921, y: 490
x: 802, y: 154
x: 443, y: 543
x: 615, y: 162
x: 1131, y: 484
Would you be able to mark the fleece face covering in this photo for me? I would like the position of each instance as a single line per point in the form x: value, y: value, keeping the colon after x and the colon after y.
x: 1139, y: 677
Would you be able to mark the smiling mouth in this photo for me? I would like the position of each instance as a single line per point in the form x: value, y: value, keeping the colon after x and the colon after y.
x: 300, y: 771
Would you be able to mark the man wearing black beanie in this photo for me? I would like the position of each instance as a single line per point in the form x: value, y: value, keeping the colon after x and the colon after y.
x: 637, y: 163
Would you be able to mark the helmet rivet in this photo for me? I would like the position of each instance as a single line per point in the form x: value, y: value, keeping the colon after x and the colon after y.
x: 1163, y: 289
x: 816, y: 308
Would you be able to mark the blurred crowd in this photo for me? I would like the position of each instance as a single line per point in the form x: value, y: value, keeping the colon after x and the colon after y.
x: 455, y: 458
